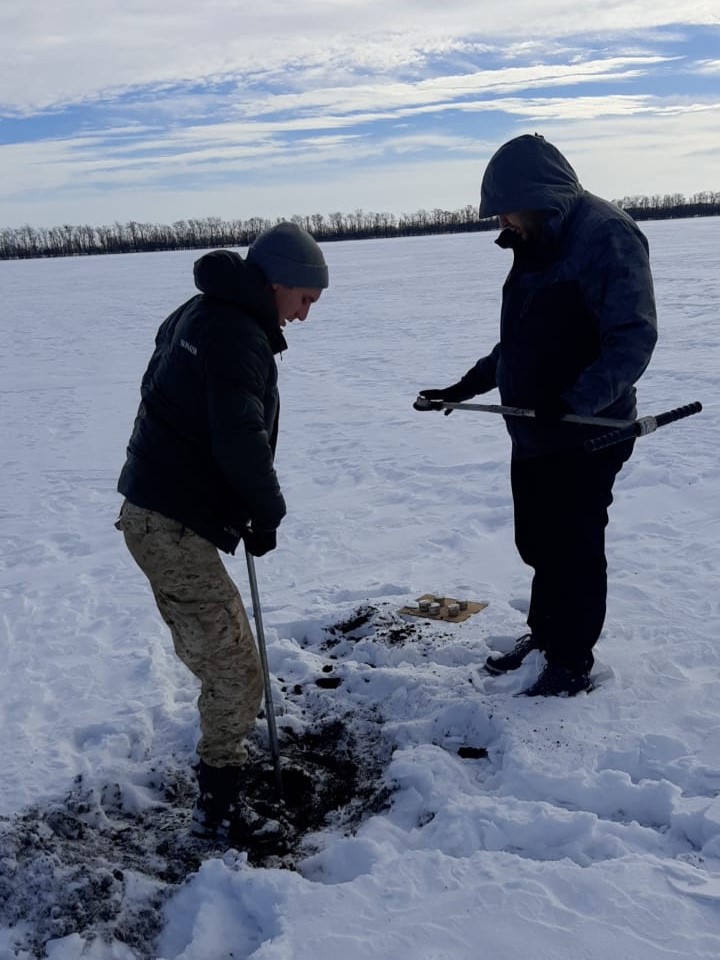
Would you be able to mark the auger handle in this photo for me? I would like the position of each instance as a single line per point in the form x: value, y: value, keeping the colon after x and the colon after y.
x: 641, y: 427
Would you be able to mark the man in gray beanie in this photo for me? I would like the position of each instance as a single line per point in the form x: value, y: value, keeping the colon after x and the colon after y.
x: 577, y: 330
x: 288, y: 255
x: 199, y: 477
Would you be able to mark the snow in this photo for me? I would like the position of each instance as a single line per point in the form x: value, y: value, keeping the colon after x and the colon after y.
x: 591, y: 828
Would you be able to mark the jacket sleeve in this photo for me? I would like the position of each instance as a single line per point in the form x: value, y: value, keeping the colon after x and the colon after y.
x: 238, y: 375
x: 618, y: 290
x: 482, y: 377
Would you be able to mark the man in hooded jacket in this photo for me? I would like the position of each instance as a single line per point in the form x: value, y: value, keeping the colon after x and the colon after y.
x: 577, y: 330
x: 200, y: 475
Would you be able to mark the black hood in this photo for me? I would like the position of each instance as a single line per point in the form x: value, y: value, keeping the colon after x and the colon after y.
x: 224, y: 275
x: 528, y: 173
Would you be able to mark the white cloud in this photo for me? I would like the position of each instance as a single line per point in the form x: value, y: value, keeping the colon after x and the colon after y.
x: 123, y: 155
x: 395, y: 174
x: 65, y: 51
x: 448, y: 88
x: 332, y: 104
x: 588, y: 108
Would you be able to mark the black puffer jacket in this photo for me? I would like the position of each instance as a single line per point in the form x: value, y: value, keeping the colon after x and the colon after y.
x: 578, y: 314
x: 203, y: 443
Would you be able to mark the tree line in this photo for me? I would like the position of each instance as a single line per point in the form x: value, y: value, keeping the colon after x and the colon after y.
x: 70, y: 240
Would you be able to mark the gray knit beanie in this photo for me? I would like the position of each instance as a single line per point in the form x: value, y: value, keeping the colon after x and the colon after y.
x: 287, y: 254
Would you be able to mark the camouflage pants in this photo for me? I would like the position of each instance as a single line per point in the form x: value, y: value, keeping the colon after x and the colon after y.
x: 209, y: 627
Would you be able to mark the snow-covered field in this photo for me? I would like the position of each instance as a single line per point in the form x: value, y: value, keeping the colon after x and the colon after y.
x: 587, y: 827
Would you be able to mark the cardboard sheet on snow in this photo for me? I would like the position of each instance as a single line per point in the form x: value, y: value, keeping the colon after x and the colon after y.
x: 470, y: 607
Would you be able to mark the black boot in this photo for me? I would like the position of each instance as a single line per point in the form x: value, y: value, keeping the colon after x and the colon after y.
x: 512, y: 660
x: 217, y: 802
x: 223, y: 813
x: 559, y: 681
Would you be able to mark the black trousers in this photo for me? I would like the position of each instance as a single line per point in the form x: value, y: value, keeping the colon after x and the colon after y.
x: 561, y: 511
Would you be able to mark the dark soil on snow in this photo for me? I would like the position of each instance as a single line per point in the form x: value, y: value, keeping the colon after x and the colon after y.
x: 367, y: 619
x: 86, y: 864
x: 65, y: 868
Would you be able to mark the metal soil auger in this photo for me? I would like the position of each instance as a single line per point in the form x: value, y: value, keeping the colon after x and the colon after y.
x: 269, y: 706
x: 619, y: 429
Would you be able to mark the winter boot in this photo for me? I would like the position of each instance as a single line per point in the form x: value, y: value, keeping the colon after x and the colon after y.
x: 222, y: 813
x: 217, y: 802
x: 512, y: 660
x: 558, y: 681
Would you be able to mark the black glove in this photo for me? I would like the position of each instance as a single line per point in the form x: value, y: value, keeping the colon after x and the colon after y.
x: 259, y: 541
x: 546, y: 411
x: 453, y: 394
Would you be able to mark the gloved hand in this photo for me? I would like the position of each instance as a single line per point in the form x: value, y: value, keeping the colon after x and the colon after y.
x: 259, y: 541
x: 546, y: 411
x: 455, y: 393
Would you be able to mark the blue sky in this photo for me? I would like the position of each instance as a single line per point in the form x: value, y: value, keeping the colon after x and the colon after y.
x: 237, y: 108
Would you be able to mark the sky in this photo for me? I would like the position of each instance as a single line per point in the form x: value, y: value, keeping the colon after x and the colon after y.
x: 140, y: 110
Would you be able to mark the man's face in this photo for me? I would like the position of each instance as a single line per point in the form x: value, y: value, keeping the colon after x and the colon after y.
x: 525, y: 223
x: 293, y: 303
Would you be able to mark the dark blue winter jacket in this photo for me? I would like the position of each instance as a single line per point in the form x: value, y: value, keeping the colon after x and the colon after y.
x: 202, y: 448
x: 578, y: 314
